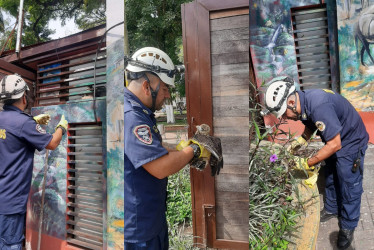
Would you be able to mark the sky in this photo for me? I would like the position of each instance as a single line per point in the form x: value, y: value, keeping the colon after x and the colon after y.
x: 61, y: 31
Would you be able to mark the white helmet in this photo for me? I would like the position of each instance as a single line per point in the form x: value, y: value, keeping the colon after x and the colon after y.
x: 153, y: 60
x: 12, y: 87
x: 276, y: 95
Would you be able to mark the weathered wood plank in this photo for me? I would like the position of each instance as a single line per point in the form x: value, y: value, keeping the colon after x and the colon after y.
x: 234, y: 169
x: 231, y: 80
x: 230, y: 35
x: 230, y: 90
x: 230, y: 58
x: 232, y: 183
x: 235, y: 145
x: 227, y: 106
x: 238, y: 227
x: 229, y: 13
x: 230, y: 46
x: 231, y: 126
x: 232, y: 69
x: 234, y: 122
x: 232, y: 196
x: 237, y: 160
x: 229, y: 23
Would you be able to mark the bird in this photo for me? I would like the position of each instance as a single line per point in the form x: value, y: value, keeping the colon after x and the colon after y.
x: 213, y: 145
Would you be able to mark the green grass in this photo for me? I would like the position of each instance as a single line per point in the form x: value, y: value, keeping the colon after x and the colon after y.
x: 179, y: 213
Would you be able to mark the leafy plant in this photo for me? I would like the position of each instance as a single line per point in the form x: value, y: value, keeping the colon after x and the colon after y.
x: 274, y: 204
x: 179, y: 213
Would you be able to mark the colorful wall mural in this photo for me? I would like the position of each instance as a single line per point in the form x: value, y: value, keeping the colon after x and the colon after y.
x: 272, y: 44
x: 115, y: 123
x: 355, y: 52
x: 54, y: 217
x: 271, y: 41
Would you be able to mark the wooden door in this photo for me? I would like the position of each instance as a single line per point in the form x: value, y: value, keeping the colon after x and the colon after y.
x: 216, y: 54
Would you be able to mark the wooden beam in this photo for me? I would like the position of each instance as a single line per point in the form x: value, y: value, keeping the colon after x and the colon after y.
x: 50, y: 47
x: 11, y: 68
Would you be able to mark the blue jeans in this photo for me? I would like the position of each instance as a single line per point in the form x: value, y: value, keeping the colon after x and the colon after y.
x: 11, y: 231
x: 344, y: 189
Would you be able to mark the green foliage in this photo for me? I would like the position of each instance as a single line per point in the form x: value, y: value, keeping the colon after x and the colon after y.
x: 179, y: 213
x: 271, y: 213
x: 157, y: 24
x: 1, y: 22
x: 86, y: 13
x: 179, y: 198
x: 273, y: 210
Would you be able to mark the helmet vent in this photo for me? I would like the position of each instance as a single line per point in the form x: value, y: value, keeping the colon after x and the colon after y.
x: 162, y: 59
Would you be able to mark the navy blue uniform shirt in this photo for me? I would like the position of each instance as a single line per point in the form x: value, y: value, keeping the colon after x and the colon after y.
x: 331, y: 114
x: 144, y: 194
x: 19, y: 137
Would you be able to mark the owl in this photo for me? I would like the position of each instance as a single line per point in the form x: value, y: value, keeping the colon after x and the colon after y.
x: 213, y: 145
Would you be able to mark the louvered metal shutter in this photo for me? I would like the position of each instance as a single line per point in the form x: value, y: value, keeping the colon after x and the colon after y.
x: 71, y: 79
x: 85, y: 193
x: 310, y: 29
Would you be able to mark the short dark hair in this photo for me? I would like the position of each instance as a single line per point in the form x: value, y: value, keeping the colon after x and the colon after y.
x: 11, y: 101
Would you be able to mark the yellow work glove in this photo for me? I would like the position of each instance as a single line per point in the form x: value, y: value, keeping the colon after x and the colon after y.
x: 311, y: 181
x: 63, y: 124
x: 204, y: 153
x: 313, y: 176
x: 301, y: 163
x: 296, y: 145
x: 42, y: 119
x: 182, y: 144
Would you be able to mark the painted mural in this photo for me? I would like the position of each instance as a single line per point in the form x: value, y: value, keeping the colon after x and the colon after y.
x: 271, y: 41
x: 54, y: 218
x: 115, y: 122
x: 356, y: 52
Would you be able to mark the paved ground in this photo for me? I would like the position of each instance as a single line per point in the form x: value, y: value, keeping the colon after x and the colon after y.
x: 173, y: 136
x: 364, y: 233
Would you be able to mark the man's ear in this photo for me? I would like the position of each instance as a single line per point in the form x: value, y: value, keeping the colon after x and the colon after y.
x: 24, y: 99
x: 145, y: 87
x: 291, y: 102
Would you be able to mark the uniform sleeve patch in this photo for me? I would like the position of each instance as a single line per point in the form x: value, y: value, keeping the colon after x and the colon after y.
x: 40, y: 129
x: 321, y: 126
x: 143, y: 133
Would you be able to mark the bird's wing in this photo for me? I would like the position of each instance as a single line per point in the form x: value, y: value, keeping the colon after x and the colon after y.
x: 211, y: 143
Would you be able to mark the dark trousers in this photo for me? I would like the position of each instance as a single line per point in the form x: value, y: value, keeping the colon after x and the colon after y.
x: 11, y: 231
x: 344, y: 188
x: 160, y: 242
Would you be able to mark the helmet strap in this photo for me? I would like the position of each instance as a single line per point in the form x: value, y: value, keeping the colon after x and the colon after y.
x: 154, y: 93
x: 294, y: 108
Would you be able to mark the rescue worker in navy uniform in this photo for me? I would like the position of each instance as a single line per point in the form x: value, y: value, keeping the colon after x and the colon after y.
x: 150, y: 73
x: 20, y: 135
x: 345, y: 136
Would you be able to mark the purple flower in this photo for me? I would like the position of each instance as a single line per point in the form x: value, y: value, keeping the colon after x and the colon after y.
x: 273, y: 158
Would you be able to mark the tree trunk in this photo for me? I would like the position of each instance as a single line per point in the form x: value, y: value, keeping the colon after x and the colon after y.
x: 170, y: 113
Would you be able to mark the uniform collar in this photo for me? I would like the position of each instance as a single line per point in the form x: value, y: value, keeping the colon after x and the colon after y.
x: 134, y: 101
x: 304, y: 115
x: 12, y: 107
